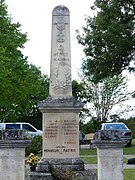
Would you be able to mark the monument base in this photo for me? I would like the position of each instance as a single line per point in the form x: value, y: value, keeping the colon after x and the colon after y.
x: 78, y: 175
x: 73, y: 164
x: 38, y: 176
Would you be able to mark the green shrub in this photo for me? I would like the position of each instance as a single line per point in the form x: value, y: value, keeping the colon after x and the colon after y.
x: 35, y: 146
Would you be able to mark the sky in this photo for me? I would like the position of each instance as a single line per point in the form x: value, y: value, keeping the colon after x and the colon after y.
x: 35, y: 18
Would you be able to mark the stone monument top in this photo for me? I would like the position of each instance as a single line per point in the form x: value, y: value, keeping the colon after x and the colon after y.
x: 60, y: 11
x: 60, y: 67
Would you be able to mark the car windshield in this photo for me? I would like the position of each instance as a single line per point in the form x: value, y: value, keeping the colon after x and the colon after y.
x: 115, y: 126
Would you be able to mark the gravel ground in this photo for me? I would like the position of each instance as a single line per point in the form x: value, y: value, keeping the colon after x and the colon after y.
x: 94, y: 166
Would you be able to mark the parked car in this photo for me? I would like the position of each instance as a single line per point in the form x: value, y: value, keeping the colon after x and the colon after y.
x: 30, y: 130
x: 126, y: 133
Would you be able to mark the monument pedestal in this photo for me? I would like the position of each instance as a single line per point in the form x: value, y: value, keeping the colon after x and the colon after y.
x: 60, y: 134
x: 109, y: 154
x: 12, y: 154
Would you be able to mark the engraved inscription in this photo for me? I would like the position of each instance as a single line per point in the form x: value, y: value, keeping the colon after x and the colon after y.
x: 65, y: 133
x: 60, y: 36
x: 60, y: 52
x: 70, y: 131
x: 51, y: 130
x: 61, y: 74
x: 57, y: 150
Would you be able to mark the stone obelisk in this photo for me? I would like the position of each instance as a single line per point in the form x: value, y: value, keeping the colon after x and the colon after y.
x: 60, y: 110
x: 60, y: 69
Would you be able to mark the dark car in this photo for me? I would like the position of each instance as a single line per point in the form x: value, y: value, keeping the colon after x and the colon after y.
x: 126, y: 133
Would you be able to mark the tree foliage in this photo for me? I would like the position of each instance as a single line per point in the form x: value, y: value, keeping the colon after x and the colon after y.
x: 103, y: 96
x: 109, y: 39
x: 19, y: 80
x: 78, y: 90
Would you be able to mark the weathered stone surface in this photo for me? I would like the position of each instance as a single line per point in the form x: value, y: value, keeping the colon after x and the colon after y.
x: 75, y: 164
x: 14, y: 143
x: 38, y: 176
x: 107, y: 135
x: 12, y: 163
x: 60, y: 101
x: 60, y: 71
x: 12, y: 155
x: 60, y: 104
x: 79, y: 175
x: 110, y: 163
x: 110, y: 155
x: 12, y: 134
x: 61, y: 135
x: 73, y: 175
x: 84, y: 175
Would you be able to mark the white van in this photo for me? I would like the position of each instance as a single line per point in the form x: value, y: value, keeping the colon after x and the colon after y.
x: 31, y: 131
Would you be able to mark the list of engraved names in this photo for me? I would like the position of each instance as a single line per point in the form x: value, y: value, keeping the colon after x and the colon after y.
x: 64, y: 132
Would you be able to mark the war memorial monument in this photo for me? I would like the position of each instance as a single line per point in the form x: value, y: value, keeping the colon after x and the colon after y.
x: 60, y: 110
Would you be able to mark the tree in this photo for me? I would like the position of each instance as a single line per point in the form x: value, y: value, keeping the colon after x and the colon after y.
x: 78, y: 90
x: 33, y: 115
x: 109, y: 39
x: 19, y: 80
x: 103, y: 96
x: 90, y: 126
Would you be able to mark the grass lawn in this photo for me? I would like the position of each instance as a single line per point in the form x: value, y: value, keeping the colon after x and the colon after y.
x: 129, y: 174
x: 89, y: 160
x: 87, y: 152
x: 130, y: 150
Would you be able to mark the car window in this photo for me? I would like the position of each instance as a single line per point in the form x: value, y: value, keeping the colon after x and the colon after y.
x: 27, y: 127
x: 115, y: 126
x: 12, y: 126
